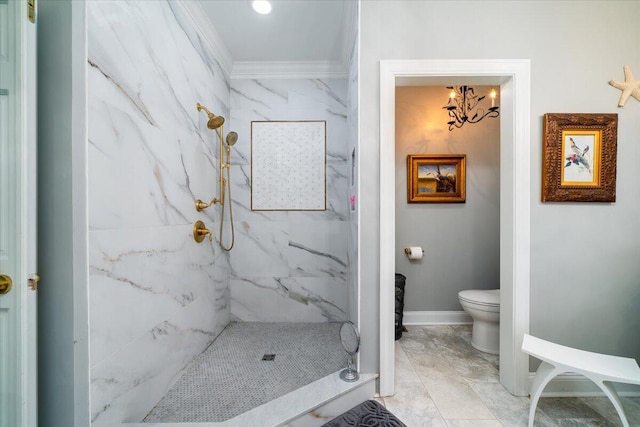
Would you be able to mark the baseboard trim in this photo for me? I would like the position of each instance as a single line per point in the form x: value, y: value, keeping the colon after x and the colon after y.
x: 575, y: 385
x: 436, y: 318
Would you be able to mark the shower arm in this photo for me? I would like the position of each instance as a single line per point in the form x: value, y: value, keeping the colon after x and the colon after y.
x: 200, y: 205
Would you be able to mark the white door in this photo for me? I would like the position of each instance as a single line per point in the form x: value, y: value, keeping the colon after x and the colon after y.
x: 17, y: 216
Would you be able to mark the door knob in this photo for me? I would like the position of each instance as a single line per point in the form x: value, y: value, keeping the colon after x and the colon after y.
x: 5, y: 284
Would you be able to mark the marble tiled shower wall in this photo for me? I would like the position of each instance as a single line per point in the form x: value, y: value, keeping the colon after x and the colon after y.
x: 157, y: 298
x: 352, y: 160
x: 290, y: 265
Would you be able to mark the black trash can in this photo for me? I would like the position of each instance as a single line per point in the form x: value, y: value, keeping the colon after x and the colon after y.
x: 400, y: 282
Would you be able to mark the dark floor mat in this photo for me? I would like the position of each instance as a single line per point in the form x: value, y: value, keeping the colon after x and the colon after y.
x: 366, y: 414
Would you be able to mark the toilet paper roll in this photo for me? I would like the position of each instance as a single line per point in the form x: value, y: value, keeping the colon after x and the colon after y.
x: 414, y: 252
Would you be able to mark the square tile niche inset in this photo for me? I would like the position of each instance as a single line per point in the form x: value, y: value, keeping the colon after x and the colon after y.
x: 288, y: 165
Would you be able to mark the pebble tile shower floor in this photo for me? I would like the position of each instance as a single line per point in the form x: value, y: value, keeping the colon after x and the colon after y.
x: 230, y: 377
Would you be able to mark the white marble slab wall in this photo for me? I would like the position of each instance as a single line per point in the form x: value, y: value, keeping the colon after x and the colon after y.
x: 353, y: 155
x: 290, y: 265
x: 157, y: 298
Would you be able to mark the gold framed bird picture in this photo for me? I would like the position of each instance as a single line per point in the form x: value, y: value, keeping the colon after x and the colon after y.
x: 581, y: 150
x: 579, y: 157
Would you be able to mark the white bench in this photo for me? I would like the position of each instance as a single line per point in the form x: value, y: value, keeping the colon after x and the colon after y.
x: 602, y: 369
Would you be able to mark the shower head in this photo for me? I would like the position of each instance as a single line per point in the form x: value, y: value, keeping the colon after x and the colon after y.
x: 214, y: 121
x: 232, y: 138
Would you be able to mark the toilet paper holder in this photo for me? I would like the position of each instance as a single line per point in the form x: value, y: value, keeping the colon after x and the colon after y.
x: 408, y: 251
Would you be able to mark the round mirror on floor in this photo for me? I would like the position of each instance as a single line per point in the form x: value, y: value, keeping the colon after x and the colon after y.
x: 351, y: 342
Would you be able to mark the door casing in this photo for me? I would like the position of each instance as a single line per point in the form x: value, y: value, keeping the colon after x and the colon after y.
x: 513, y: 76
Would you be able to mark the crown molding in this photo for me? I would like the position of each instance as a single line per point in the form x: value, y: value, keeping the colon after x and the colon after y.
x: 275, y: 69
x: 210, y: 35
x: 289, y: 70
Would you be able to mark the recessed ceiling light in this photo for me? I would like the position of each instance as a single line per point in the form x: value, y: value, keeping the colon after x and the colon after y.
x: 263, y: 7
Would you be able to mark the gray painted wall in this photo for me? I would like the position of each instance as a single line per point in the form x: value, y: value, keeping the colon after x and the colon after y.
x: 461, y: 240
x: 584, y: 269
x: 63, y: 345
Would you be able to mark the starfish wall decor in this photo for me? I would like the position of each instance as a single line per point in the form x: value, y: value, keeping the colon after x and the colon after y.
x: 629, y: 87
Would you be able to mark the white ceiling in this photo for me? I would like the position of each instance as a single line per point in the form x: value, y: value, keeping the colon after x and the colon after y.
x: 295, y: 30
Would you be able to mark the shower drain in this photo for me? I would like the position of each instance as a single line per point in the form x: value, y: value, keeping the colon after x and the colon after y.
x: 269, y: 357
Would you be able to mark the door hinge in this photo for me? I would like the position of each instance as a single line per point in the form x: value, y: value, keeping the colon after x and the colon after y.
x: 33, y: 281
x: 31, y: 10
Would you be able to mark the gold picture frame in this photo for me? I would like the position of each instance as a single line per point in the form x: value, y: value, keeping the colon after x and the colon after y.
x: 579, y: 157
x: 436, y: 178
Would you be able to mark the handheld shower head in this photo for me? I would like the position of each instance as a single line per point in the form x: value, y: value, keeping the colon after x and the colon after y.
x: 214, y: 121
x: 232, y: 138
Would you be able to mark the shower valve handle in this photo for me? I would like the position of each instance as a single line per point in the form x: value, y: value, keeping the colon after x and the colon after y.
x: 200, y: 232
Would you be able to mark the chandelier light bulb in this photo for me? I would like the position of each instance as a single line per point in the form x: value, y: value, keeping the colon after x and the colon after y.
x: 464, y: 106
x: 452, y: 96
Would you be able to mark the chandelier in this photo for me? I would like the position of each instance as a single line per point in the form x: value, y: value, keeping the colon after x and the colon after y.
x: 463, y: 106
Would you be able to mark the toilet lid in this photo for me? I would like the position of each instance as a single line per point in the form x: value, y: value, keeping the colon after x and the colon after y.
x: 481, y: 296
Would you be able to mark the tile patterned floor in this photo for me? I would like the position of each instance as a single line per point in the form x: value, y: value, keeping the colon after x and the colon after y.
x: 231, y: 376
x: 442, y: 381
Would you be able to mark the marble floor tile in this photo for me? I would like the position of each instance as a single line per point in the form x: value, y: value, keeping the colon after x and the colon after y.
x: 414, y: 407
x: 539, y: 422
x: 418, y: 343
x: 434, y: 368
x: 582, y: 422
x: 457, y: 400
x: 444, y: 330
x: 463, y: 331
x: 460, y: 385
x: 468, y: 361
x: 473, y: 423
x: 476, y: 369
x: 455, y: 346
x: 494, y: 359
x: 502, y: 404
x: 413, y: 329
x: 567, y: 408
x: 605, y: 408
x: 404, y: 372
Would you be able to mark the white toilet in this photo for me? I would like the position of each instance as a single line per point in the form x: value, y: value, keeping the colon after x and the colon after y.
x: 484, y: 307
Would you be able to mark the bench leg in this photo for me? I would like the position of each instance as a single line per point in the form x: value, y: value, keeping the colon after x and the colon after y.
x: 611, y: 393
x: 545, y: 373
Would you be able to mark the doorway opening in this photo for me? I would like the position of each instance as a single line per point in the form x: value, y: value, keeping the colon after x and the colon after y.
x: 513, y: 77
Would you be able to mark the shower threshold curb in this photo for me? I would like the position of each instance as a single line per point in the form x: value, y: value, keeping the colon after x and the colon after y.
x: 290, y: 407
